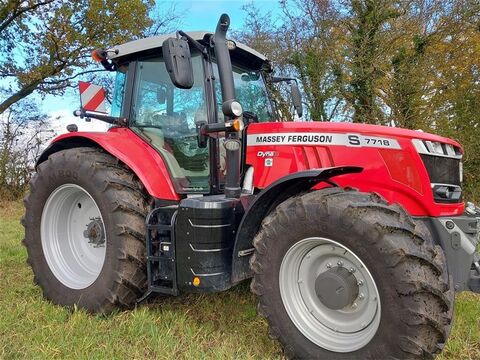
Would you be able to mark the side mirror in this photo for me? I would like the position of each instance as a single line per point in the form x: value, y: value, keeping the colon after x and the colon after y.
x: 295, y: 91
x: 297, y: 98
x: 178, y: 61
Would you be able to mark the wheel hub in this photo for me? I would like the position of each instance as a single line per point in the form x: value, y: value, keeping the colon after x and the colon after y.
x: 94, y: 233
x: 329, y: 294
x: 336, y: 288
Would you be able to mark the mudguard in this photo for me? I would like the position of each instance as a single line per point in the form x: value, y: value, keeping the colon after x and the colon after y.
x: 266, y: 201
x: 130, y: 149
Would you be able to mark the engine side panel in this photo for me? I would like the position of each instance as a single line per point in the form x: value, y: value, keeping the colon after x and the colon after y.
x: 125, y: 145
x: 392, y: 166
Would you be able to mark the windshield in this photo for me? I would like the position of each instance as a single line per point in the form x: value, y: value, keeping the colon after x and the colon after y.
x: 250, y: 91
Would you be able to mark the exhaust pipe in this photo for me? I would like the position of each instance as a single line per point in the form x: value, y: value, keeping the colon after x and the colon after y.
x: 230, y: 107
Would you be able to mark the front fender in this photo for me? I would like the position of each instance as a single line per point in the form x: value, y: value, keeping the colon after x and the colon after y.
x: 266, y: 201
x: 130, y: 149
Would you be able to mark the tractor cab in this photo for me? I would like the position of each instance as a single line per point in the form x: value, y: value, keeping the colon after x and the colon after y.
x: 169, y: 91
x: 168, y: 116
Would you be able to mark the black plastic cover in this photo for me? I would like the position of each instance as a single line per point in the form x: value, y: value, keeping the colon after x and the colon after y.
x: 205, y: 233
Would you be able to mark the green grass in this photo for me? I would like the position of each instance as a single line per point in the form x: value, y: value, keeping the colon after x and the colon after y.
x: 214, y: 326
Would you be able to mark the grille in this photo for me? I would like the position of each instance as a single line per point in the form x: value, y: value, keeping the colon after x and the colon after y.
x: 444, y: 166
x: 442, y: 170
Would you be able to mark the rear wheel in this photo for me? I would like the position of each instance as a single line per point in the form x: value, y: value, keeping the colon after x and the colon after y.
x: 84, y: 230
x: 342, y: 275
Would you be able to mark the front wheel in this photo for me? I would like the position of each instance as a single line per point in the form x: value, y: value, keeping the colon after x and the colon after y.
x: 342, y: 275
x: 84, y: 230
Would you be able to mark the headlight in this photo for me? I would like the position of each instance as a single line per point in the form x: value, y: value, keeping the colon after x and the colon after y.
x: 232, y: 144
x: 437, y: 149
x: 232, y: 108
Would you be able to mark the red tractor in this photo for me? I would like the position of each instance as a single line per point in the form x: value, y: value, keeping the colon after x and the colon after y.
x: 356, y: 236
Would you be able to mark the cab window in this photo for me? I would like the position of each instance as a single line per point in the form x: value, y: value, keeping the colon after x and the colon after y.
x: 119, y: 92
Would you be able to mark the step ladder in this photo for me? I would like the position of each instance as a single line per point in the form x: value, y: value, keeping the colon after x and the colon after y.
x: 160, y: 246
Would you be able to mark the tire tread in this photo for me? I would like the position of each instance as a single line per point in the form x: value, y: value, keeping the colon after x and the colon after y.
x: 130, y: 203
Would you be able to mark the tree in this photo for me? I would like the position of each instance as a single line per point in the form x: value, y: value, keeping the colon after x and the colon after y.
x: 412, y: 64
x: 24, y: 132
x: 46, y: 44
x: 163, y: 20
x: 367, y: 23
x: 455, y: 99
x: 311, y: 35
x: 259, y: 33
x: 301, y: 44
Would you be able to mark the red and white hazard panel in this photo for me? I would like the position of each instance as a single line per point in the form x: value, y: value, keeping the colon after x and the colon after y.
x: 92, y: 97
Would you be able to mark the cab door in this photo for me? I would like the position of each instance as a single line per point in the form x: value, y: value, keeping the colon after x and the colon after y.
x: 165, y: 116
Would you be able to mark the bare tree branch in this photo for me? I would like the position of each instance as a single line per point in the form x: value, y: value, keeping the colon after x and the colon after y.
x: 19, y: 11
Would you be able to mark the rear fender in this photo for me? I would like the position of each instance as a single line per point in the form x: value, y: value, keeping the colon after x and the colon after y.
x: 130, y: 149
x: 263, y: 203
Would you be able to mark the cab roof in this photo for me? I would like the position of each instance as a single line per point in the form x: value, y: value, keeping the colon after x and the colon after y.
x: 146, y: 45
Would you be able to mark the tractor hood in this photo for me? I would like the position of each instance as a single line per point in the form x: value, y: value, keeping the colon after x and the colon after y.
x: 404, y: 166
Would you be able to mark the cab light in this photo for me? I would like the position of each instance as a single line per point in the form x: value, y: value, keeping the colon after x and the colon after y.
x: 231, y: 45
x: 99, y: 55
x: 232, y: 108
x: 232, y: 144
x: 237, y: 125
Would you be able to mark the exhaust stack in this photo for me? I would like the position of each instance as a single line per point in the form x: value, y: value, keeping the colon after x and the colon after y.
x: 230, y: 107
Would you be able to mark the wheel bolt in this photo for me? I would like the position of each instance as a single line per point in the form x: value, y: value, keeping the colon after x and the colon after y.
x: 329, y: 266
x: 361, y: 296
x: 360, y: 282
x: 340, y: 263
x: 354, y: 305
x: 352, y: 270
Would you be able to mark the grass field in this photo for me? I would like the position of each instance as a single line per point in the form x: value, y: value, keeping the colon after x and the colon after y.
x: 217, y: 326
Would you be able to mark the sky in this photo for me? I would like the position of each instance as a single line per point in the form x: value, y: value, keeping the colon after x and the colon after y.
x: 195, y: 15
x: 204, y: 14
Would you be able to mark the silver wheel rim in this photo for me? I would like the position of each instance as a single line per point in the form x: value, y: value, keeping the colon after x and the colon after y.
x: 344, y: 330
x: 72, y: 242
